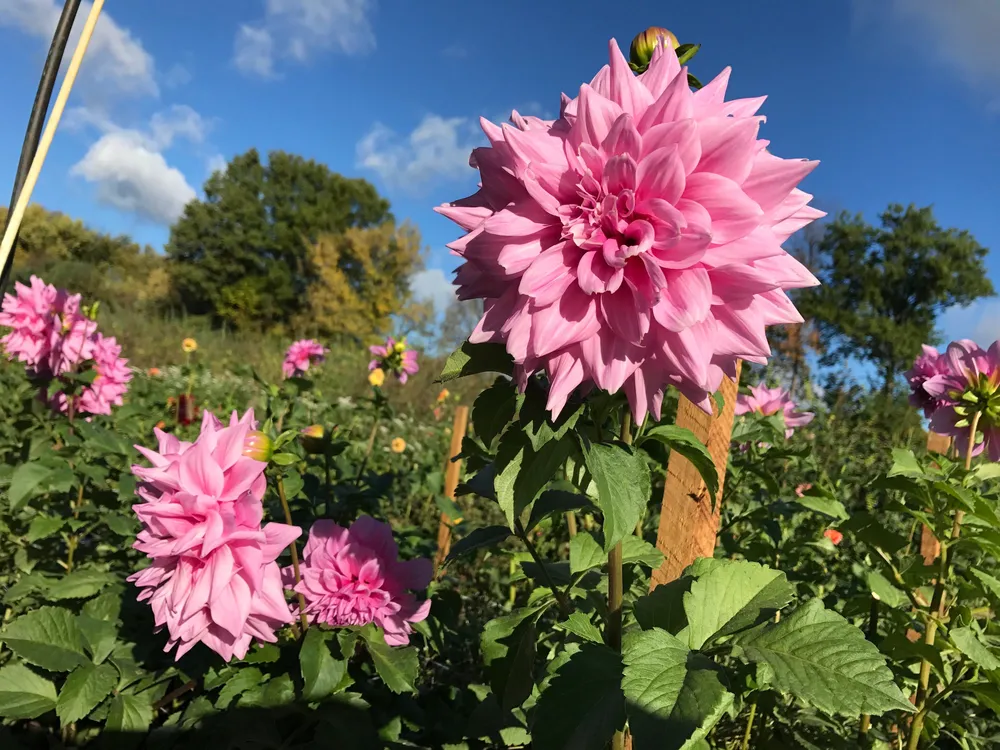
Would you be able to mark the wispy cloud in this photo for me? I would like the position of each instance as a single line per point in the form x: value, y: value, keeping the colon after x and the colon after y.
x: 433, y: 285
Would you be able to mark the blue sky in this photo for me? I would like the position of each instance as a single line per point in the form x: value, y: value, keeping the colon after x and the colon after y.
x: 899, y: 99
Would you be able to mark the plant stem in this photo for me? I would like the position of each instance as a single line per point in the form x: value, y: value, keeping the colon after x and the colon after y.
x: 613, y: 634
x: 295, y: 556
x: 866, y: 719
x: 745, y: 745
x: 560, y: 597
x: 571, y: 523
x: 73, y: 540
x: 939, y: 604
x: 368, y: 450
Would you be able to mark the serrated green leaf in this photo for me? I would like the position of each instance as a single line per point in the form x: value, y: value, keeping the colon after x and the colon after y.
x: 585, y: 553
x: 684, y: 442
x: 482, y: 538
x: 663, y: 607
x: 820, y: 658
x: 24, y: 694
x: 493, y: 410
x: 821, y: 502
x: 511, y: 676
x: 48, y: 637
x: 523, y: 472
x: 492, y: 641
x: 536, y: 421
x: 284, y: 459
x: 396, y: 665
x: 293, y: 483
x: 990, y: 584
x: 279, y: 691
x: 883, y: 589
x: 80, y: 584
x: 731, y: 597
x: 107, y: 606
x: 98, y: 637
x: 905, y: 463
x: 43, y: 526
x: 986, y: 471
x: 555, y: 501
x: 583, y: 705
x: 580, y: 625
x: 674, y: 697
x: 244, y: 679
x: 472, y: 359
x: 121, y: 524
x: 966, y: 640
x: 622, y: 482
x: 636, y: 550
x: 321, y: 673
x: 129, y: 713
x: 85, y: 687
x: 25, y: 481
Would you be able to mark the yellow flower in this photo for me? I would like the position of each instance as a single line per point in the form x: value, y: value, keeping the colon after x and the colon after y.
x: 443, y: 395
x: 376, y: 377
x: 398, y: 445
x: 400, y: 346
x: 189, y: 345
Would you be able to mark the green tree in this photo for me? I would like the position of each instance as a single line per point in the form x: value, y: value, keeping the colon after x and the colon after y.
x: 884, y: 287
x: 242, y: 254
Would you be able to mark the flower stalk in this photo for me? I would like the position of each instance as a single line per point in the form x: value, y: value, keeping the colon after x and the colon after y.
x: 613, y: 634
x: 295, y: 556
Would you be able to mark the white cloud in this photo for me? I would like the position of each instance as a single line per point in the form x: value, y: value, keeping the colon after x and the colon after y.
x: 177, y: 76
x: 961, y: 34
x: 979, y: 321
x: 432, y: 285
x: 116, y: 62
x: 128, y: 166
x: 298, y: 29
x: 437, y: 149
x: 216, y: 163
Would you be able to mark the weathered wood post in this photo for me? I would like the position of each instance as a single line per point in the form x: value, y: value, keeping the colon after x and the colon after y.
x: 689, y: 517
x: 930, y: 547
x: 452, y: 473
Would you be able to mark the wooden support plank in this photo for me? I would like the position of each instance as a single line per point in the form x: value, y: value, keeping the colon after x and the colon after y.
x: 930, y: 547
x: 452, y: 474
x: 689, y: 523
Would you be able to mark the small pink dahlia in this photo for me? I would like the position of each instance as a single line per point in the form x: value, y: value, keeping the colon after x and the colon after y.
x: 636, y: 241
x: 768, y: 401
x: 301, y: 356
x: 110, y: 384
x: 396, y: 358
x: 353, y: 577
x: 929, y: 364
x: 970, y: 384
x: 213, y: 578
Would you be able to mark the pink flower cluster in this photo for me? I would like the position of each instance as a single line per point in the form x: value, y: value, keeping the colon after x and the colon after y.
x: 953, y: 387
x: 302, y: 355
x: 353, y: 577
x: 213, y: 577
x: 768, y: 401
x: 52, y: 337
x: 395, y: 358
x: 635, y: 242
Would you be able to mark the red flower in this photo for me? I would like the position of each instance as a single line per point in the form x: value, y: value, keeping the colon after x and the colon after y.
x: 834, y: 536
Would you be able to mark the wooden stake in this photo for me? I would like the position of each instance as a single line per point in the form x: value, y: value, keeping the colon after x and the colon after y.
x: 452, y: 473
x: 689, y: 523
x: 930, y: 547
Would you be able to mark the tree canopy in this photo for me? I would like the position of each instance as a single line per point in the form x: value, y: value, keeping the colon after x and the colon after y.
x: 246, y: 252
x: 883, y: 288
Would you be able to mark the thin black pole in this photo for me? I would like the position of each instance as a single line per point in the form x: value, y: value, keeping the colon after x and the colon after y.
x: 36, y: 122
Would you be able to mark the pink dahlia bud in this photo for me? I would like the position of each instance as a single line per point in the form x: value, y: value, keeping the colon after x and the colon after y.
x: 641, y: 52
x: 312, y: 439
x: 258, y: 446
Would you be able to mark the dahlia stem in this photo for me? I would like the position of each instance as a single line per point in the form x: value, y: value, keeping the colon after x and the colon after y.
x: 939, y: 603
x: 560, y: 597
x: 571, y: 523
x: 295, y: 556
x: 748, y: 732
x: 72, y: 541
x: 613, y: 634
x: 369, y: 449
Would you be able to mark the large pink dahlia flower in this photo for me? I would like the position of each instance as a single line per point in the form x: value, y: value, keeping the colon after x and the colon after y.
x: 353, y: 577
x: 768, y: 401
x: 301, y: 355
x: 636, y: 241
x: 213, y: 578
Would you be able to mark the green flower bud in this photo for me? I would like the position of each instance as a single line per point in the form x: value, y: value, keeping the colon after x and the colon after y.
x: 641, y: 51
x: 258, y: 446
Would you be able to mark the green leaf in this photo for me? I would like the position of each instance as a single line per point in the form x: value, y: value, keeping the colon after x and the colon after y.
x: 80, y: 584
x: 321, y: 673
x: 293, y: 483
x: 820, y: 658
x: 986, y: 471
x: 98, y: 637
x: 396, y: 665
x: 24, y: 694
x: 512, y: 675
x: 885, y: 591
x: 873, y: 531
x: 85, y: 687
x: 636, y: 550
x: 623, y: 487
x: 284, y: 459
x: 990, y: 584
x: 674, y: 697
x: 48, y: 638
x: 279, y: 691
x: 482, y: 538
x: 523, y: 473
x: 472, y: 359
x: 684, y: 442
x: 585, y: 553
x: 732, y: 597
x: 449, y: 508
x: 121, y: 524
x: 967, y: 641
x: 905, y: 463
x: 107, y: 606
x: 129, y: 713
x: 580, y: 625
x: 493, y: 410
x: 821, y: 502
x: 663, y: 607
x: 684, y: 54
x: 583, y: 705
x: 555, y: 501
x: 245, y: 679
x: 536, y: 421
x: 492, y: 642
x: 43, y: 526
x: 26, y: 479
